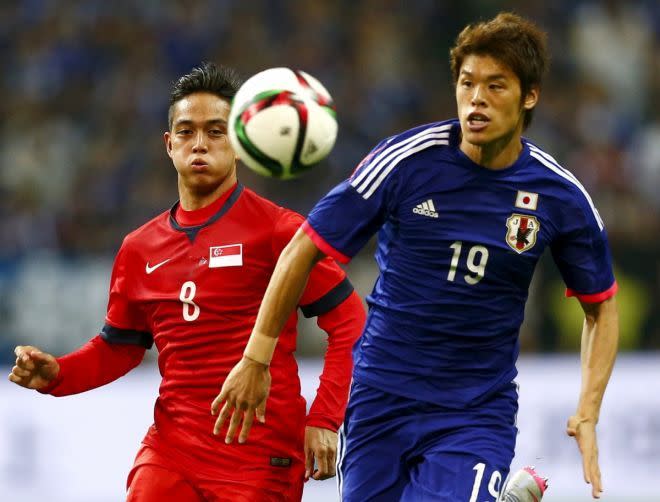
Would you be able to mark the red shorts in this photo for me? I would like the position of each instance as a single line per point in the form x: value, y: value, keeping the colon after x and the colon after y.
x: 157, y: 477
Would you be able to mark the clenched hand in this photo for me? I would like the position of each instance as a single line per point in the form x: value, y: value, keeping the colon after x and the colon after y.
x: 34, y: 369
x: 320, y: 445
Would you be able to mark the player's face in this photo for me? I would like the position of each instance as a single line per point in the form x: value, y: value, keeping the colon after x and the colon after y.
x: 490, y: 107
x: 199, y: 146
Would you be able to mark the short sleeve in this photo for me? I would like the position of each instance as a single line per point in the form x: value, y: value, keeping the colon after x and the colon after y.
x: 344, y: 220
x: 125, y: 322
x: 327, y: 285
x: 582, y: 253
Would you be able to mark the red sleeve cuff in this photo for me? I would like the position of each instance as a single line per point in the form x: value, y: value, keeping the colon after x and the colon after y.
x: 56, y: 381
x: 323, y: 422
x: 323, y: 245
x: 595, y: 297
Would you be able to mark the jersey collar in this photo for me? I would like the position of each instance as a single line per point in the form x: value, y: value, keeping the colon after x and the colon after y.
x: 221, y: 206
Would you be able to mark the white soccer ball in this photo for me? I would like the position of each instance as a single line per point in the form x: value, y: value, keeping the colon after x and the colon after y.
x: 282, y: 122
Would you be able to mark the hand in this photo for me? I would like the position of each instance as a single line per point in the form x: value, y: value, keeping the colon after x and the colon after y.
x: 584, y: 432
x: 245, y: 391
x: 320, y: 444
x: 34, y: 369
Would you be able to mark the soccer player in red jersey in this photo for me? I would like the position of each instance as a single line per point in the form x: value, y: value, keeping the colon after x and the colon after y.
x: 191, y: 281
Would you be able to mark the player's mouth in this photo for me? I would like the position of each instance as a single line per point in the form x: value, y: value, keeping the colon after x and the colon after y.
x: 477, y: 121
x: 199, y: 165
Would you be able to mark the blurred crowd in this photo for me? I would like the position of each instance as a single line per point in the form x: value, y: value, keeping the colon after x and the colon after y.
x: 85, y: 86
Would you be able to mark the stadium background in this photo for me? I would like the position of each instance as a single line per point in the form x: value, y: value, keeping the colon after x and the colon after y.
x: 84, y: 89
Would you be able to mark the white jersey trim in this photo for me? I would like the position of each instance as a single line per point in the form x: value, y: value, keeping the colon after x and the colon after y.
x: 551, y: 164
x: 379, y: 163
x: 406, y: 153
x: 339, y: 462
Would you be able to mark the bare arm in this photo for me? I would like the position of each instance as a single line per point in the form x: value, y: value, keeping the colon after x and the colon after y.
x: 245, y: 390
x: 284, y: 290
x: 600, y: 337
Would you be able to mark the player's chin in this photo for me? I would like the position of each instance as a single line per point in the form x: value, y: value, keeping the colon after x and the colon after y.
x: 477, y: 138
x: 203, y: 183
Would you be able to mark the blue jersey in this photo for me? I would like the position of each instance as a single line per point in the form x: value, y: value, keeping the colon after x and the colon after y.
x: 457, y: 247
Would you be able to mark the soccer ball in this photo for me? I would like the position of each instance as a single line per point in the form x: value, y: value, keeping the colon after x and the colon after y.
x: 282, y: 122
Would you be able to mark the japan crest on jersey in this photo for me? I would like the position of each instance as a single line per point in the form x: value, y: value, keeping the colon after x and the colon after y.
x: 521, y: 232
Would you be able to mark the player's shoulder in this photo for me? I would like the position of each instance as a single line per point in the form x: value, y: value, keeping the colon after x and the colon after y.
x: 266, y: 208
x: 551, y: 170
x: 405, y: 148
x: 423, y: 137
x: 556, y: 178
x: 146, y: 232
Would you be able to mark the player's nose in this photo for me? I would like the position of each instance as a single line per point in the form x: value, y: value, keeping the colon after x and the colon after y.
x: 477, y: 97
x: 200, y: 145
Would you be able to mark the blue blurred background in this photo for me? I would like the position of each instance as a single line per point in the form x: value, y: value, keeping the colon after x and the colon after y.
x: 85, y: 85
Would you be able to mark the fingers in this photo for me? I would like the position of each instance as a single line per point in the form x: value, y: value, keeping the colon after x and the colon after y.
x: 585, y: 466
x: 221, y: 418
x: 247, y: 417
x: 16, y: 379
x: 20, y: 374
x: 22, y: 349
x: 585, y: 436
x: 594, y: 477
x: 325, y: 462
x: 29, y: 357
x: 40, y: 357
x: 309, y: 462
x: 247, y: 425
x: 236, y: 418
x: 261, y: 412
x: 24, y: 361
x: 218, y: 401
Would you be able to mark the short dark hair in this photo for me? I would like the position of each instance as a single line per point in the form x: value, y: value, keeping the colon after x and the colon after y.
x: 208, y: 77
x: 510, y: 39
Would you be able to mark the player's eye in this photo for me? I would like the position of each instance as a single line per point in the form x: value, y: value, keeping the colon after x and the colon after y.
x: 216, y: 132
x: 183, y: 132
x: 466, y: 83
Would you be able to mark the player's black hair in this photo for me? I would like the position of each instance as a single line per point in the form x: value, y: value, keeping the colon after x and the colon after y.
x: 208, y: 77
x: 512, y: 40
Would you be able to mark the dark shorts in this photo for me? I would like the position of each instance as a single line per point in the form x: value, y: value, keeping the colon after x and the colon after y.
x: 394, y: 448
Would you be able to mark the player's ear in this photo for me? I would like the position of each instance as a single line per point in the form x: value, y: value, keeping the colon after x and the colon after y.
x: 531, y: 98
x: 167, y: 137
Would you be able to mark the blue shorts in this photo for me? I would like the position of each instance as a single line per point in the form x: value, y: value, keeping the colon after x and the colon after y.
x: 393, y: 448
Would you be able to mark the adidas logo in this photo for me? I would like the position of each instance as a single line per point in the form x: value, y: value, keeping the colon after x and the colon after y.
x: 426, y: 209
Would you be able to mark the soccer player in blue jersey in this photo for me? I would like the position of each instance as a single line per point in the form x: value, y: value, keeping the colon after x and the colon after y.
x: 463, y: 210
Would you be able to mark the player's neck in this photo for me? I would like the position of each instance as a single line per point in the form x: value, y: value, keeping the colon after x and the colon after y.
x: 498, y: 154
x: 191, y: 199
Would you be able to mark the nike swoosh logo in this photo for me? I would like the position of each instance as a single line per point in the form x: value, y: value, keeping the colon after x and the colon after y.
x: 149, y: 269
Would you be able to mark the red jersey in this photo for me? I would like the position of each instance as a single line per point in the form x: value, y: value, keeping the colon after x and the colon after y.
x: 194, y: 291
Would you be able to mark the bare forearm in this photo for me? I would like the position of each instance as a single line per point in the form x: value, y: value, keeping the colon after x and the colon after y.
x: 284, y: 290
x: 286, y: 285
x: 600, y: 336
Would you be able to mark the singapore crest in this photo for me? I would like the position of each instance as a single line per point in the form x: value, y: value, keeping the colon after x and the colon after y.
x: 521, y: 232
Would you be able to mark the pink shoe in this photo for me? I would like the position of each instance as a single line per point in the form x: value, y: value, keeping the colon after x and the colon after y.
x: 524, y: 485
